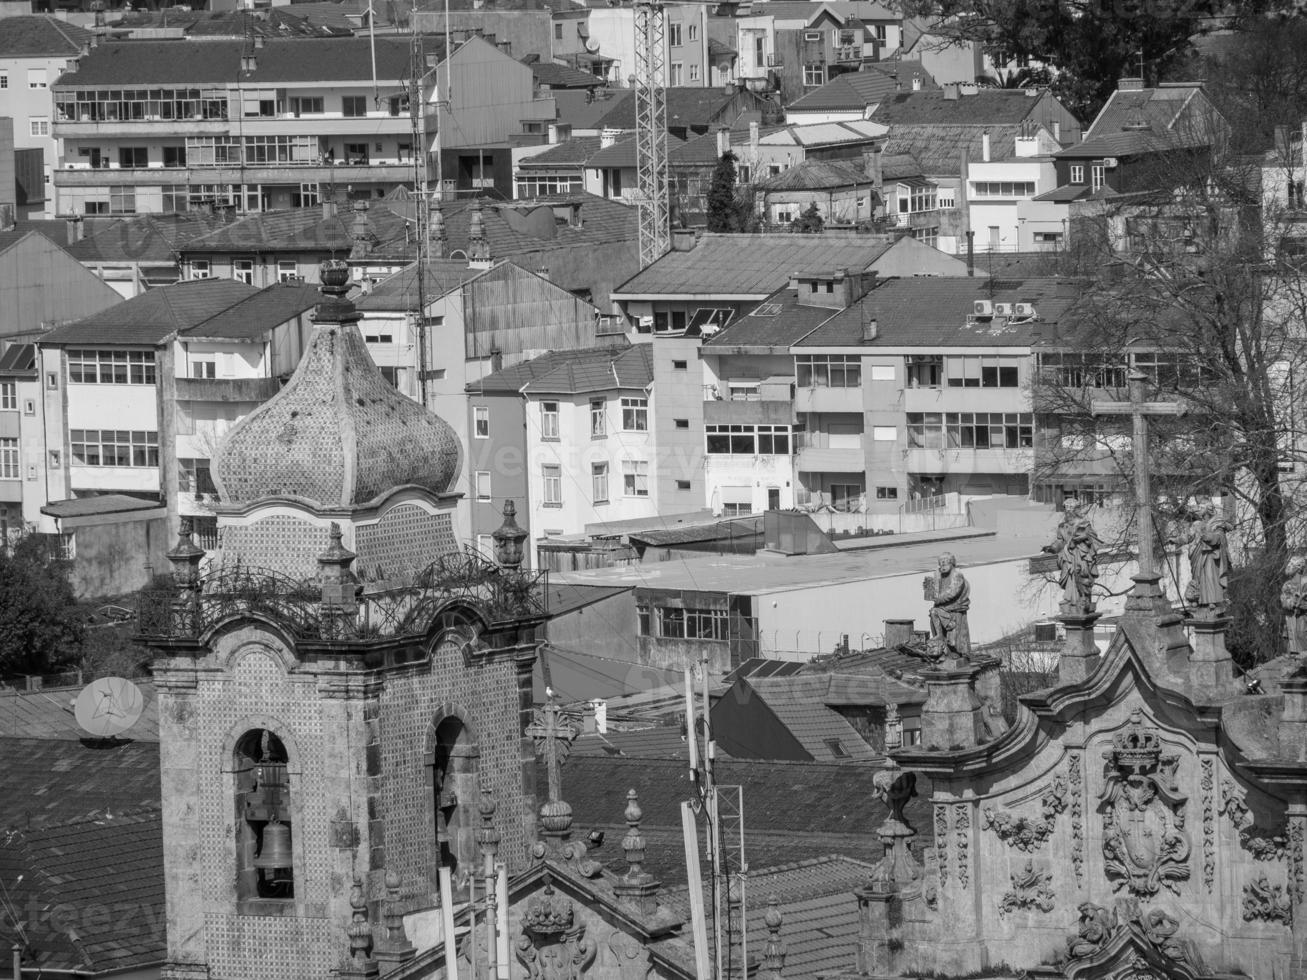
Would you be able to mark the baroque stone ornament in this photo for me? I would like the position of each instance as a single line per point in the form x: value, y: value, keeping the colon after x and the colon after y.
x: 553, y: 945
x: 1145, y: 846
x: 1031, y: 890
x: 949, y: 595
x: 1128, y: 942
x: 1075, y: 781
x: 1264, y: 845
x: 941, y: 841
x: 1296, y: 870
x: 1266, y: 902
x: 1075, y: 547
x: 962, y: 836
x: 1206, y: 783
x: 1029, y: 833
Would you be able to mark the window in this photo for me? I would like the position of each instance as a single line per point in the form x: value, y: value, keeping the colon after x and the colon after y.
x: 195, y: 476
x: 599, y: 482
x: 884, y: 433
x: 9, y: 395
x: 39, y: 126
x: 558, y: 31
x: 110, y: 447
x: 887, y: 493
x: 287, y: 271
x: 747, y: 440
x: 174, y: 156
x: 673, y: 322
x: 4, y: 81
x: 36, y: 78
x: 682, y: 484
x: 828, y: 370
x: 598, y: 418
x: 642, y: 619
x: 242, y: 270
x: 694, y: 32
x: 200, y: 268
x: 814, y: 75
x: 883, y: 372
x: 354, y: 105
x: 845, y: 496
x: 925, y: 370
x: 671, y: 623
x: 694, y: 73
x: 970, y: 430
x: 635, y: 414
x: 674, y: 35
x: 483, y: 484
x: 379, y: 338
x: 635, y: 477
x: 1077, y: 173
x: 264, y: 829
x: 812, y: 35
x: 133, y: 157
x: 552, y: 476
x: 110, y: 367
x: 9, y: 459
x: 1002, y: 188
x: 837, y: 748
x: 681, y: 423
x: 983, y: 371
x: 51, y: 380
x: 356, y: 153
x: 122, y: 200
x: 204, y: 368
x: 1096, y: 176
x: 306, y: 106
x: 56, y: 459
x: 481, y: 423
x: 29, y: 406
x: 675, y: 74
x: 1295, y: 195
x: 1081, y: 371
x: 549, y: 421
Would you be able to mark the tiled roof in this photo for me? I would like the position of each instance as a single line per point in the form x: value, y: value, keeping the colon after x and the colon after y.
x: 987, y: 106
x: 218, y: 62
x: 580, y: 110
x: 899, y: 166
x: 799, y: 703
x: 938, y: 147
x: 856, y: 90
x: 687, y: 107
x: 1158, y: 108
x: 106, y: 503
x: 49, y: 714
x: 272, y: 22
x: 1116, y: 145
x: 145, y: 238
x: 824, y: 133
x: 400, y: 290
x: 255, y: 315
x: 749, y: 265
x: 659, y: 742
x: 577, y: 150
x: 563, y: 76
x: 51, y: 780
x: 935, y: 312
x: 301, y: 230
x: 510, y: 380
x: 153, y: 316
x: 813, y: 175
x: 596, y: 370
x: 576, y: 676
x: 805, y: 10
x: 40, y: 36
x: 105, y: 875
x: 621, y: 154
x: 819, y: 911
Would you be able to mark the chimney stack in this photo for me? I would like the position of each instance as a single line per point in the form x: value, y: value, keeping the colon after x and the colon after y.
x: 76, y: 228
x: 984, y: 146
x: 898, y: 632
x: 723, y: 141
x: 753, y: 134
x: 951, y: 91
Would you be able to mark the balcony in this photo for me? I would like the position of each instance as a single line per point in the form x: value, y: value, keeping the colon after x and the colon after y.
x: 157, y: 128
x: 227, y: 389
x: 374, y: 123
x: 969, y: 460
x: 280, y: 173
x: 950, y: 399
x: 823, y: 398
x: 754, y: 411
x: 822, y: 452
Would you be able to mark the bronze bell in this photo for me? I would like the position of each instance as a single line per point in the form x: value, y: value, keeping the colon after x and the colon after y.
x: 275, y: 855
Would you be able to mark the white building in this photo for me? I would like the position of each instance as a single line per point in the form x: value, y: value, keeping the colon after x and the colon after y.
x: 34, y: 51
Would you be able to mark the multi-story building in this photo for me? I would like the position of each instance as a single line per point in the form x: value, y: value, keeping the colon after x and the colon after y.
x: 34, y: 52
x: 257, y: 125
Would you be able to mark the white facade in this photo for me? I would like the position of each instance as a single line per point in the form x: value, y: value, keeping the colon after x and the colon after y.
x: 999, y: 192
x: 590, y: 459
x: 25, y: 97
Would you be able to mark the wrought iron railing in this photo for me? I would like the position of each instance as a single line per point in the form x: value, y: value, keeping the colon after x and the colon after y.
x: 384, y: 610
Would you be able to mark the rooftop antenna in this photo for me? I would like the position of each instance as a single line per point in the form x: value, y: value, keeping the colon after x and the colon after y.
x: 372, y: 47
x: 416, y: 104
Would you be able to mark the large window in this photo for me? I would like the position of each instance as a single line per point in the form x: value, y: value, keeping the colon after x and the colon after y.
x: 748, y: 440
x: 598, y: 418
x: 925, y: 370
x: 635, y: 414
x: 916, y: 197
x: 552, y: 478
x: 110, y: 447
x: 111, y: 367
x: 543, y: 185
x: 242, y: 270
x: 814, y: 75
x: 1077, y: 173
x: 112, y: 105
x: 828, y: 370
x: 122, y: 200
x: 599, y: 482
x: 9, y: 459
x: 354, y: 105
x: 674, y: 35
x: 1002, y: 188
x: 228, y: 151
x: 1082, y: 371
x: 38, y: 126
x: 970, y: 430
x: 8, y: 395
x: 1096, y: 176
x: 635, y: 477
x: 481, y: 423
x: 691, y: 623
x: 981, y: 371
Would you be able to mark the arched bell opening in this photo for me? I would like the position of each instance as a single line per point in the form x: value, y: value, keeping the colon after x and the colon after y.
x: 265, y: 864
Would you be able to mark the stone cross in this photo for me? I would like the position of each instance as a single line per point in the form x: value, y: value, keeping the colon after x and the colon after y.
x: 553, y: 732
x: 1139, y: 410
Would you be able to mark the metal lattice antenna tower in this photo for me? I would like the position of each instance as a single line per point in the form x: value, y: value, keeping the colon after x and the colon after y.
x: 651, y: 130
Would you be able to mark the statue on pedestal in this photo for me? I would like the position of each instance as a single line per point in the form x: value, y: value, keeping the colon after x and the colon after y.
x: 1076, y: 548
x: 1293, y: 599
x: 1209, y: 562
x: 950, y: 596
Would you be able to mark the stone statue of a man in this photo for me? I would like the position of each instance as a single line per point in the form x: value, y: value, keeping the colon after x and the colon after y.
x: 949, y: 593
x: 1076, y: 548
x: 1293, y: 599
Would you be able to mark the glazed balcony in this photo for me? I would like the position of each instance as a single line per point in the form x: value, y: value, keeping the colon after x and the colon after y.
x: 277, y: 173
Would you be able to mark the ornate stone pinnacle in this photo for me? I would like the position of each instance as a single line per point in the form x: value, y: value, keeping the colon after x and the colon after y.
x: 185, y: 556
x: 487, y: 835
x: 773, y: 954
x: 360, y: 932
x: 633, y: 843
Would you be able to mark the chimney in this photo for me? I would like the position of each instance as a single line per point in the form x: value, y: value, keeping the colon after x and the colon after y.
x: 872, y: 168
x: 1057, y: 130
x: 7, y: 217
x: 984, y: 146
x: 76, y: 228
x: 870, y: 328
x: 723, y: 141
x: 971, y: 252
x: 1130, y: 85
x: 898, y: 632
x: 753, y: 134
x: 729, y: 88
x: 916, y: 83
x: 496, y: 361
x: 950, y: 91
x: 683, y: 239
x: 608, y: 137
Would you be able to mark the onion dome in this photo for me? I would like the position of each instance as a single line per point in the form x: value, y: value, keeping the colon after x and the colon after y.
x: 338, y: 434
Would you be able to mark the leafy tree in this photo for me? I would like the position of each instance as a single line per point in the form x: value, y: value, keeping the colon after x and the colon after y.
x: 1088, y: 44
x: 40, y: 629
x: 810, y: 221
x: 724, y: 206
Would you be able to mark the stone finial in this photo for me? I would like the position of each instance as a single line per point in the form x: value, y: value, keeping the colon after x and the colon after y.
x: 334, y: 307
x: 773, y: 954
x: 552, y: 731
x: 487, y: 836
x: 358, y: 962
x: 508, y: 538
x: 436, y: 231
x: 895, y: 788
x: 397, y: 945
x: 336, y: 580
x: 637, y: 885
x: 478, y: 249
x: 333, y: 274
x: 185, y: 556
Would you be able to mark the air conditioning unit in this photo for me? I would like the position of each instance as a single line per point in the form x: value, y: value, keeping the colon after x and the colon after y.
x: 1002, y: 309
x: 1023, y: 309
x: 1109, y: 162
x: 982, y: 307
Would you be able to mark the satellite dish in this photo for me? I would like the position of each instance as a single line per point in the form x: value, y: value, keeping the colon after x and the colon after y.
x: 108, y: 707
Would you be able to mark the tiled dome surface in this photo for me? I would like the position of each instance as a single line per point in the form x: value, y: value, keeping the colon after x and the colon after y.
x: 338, y: 434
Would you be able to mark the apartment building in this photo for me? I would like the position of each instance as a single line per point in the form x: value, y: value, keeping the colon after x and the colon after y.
x: 158, y: 126
x: 34, y: 52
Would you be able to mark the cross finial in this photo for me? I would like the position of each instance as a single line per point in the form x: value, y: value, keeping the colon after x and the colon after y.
x: 553, y: 732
